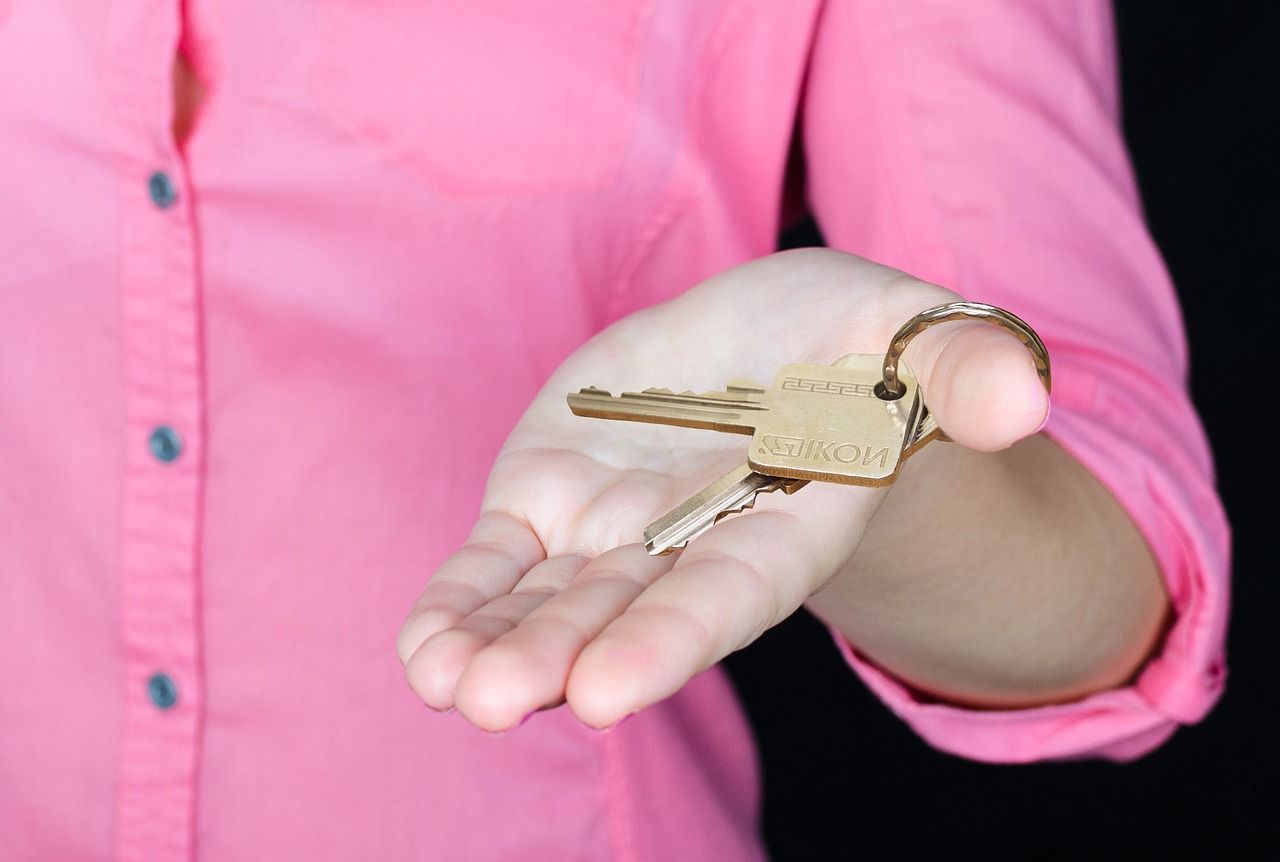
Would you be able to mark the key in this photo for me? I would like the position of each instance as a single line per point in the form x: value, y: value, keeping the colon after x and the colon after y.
x: 736, y: 491
x: 817, y: 422
x: 732, y: 411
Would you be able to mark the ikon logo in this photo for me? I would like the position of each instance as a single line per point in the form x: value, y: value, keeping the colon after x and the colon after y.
x: 787, y: 447
x: 821, y: 450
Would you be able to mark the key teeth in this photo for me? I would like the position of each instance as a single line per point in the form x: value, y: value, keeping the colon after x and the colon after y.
x: 749, y: 503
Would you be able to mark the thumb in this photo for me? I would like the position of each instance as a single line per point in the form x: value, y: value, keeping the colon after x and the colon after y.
x: 980, y: 383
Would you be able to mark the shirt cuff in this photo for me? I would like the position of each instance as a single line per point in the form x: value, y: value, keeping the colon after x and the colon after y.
x: 1144, y: 443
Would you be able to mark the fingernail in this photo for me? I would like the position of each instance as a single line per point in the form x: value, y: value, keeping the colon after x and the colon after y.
x: 609, y: 727
x: 437, y: 709
x: 507, y: 730
x: 1048, y: 411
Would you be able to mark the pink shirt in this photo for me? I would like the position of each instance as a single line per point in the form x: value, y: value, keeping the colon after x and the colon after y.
x: 234, y: 438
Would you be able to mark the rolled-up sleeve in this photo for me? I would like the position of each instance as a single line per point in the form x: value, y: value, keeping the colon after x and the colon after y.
x: 978, y: 146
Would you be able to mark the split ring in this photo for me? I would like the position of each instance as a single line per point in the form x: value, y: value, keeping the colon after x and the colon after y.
x: 891, y: 387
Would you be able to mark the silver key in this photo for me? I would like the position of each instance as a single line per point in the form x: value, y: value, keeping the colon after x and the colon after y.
x: 736, y: 491
x: 819, y: 422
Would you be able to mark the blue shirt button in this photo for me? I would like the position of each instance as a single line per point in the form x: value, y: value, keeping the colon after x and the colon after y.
x: 165, y: 444
x: 162, y: 690
x: 162, y: 190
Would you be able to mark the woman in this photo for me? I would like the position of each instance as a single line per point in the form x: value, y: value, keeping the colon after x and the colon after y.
x: 271, y: 319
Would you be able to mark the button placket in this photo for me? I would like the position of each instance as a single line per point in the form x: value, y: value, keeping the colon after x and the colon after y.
x: 163, y: 391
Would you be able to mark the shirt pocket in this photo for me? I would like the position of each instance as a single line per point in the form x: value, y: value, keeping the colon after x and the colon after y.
x: 487, y: 97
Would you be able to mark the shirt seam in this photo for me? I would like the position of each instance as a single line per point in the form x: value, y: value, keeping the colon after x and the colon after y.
x: 684, y: 188
x: 899, y: 128
x: 615, y: 797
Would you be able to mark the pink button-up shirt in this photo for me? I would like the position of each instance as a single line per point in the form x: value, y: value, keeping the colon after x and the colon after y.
x: 234, y: 439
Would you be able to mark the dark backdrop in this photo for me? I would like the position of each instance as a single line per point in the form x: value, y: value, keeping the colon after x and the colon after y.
x: 844, y: 778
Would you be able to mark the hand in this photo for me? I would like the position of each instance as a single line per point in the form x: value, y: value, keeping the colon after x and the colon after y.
x: 553, y: 599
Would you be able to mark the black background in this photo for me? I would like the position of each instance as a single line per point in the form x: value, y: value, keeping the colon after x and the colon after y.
x: 844, y: 778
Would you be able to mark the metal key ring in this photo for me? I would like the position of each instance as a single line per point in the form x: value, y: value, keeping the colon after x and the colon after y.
x: 891, y: 387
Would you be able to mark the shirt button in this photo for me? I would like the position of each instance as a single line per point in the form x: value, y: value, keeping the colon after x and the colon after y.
x: 165, y: 444
x: 163, y: 192
x: 162, y: 690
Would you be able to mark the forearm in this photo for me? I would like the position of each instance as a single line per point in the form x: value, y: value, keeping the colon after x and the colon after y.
x: 1000, y: 580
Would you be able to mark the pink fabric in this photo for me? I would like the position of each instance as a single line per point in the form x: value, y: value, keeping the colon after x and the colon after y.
x: 393, y: 221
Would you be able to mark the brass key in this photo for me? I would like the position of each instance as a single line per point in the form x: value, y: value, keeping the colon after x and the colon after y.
x: 822, y: 422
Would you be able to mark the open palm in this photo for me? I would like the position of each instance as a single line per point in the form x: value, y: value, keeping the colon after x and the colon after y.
x: 554, y: 597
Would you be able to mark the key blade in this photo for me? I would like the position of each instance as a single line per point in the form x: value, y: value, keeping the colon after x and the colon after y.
x: 736, y: 491
x: 745, y: 388
x: 733, y: 411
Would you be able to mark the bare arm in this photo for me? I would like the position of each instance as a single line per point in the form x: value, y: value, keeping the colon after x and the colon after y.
x: 1004, y: 579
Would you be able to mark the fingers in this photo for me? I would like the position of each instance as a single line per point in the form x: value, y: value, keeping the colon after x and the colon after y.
x: 741, y: 578
x: 499, y: 552
x: 435, y: 666
x: 981, y: 384
x: 512, y: 655
x: 627, y: 629
x: 528, y: 667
